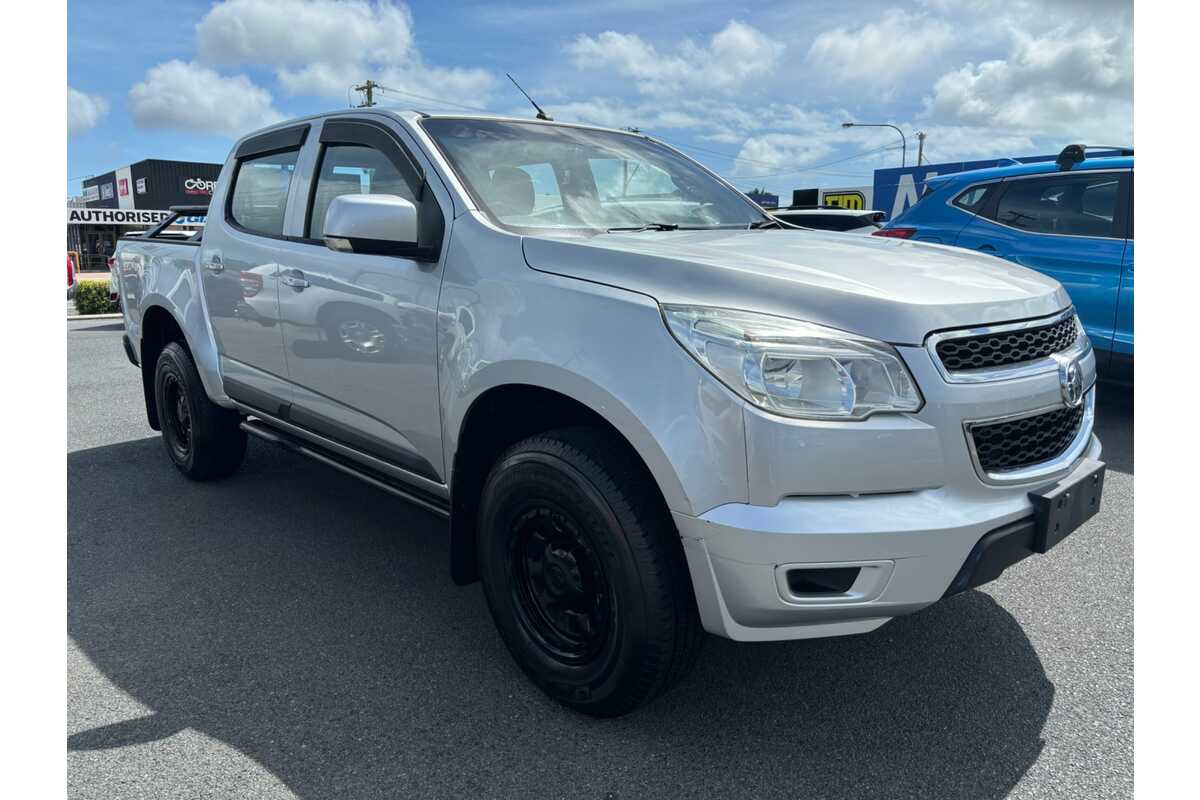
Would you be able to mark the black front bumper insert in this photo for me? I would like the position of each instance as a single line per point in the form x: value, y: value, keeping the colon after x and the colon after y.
x: 1058, y: 511
x: 995, y: 552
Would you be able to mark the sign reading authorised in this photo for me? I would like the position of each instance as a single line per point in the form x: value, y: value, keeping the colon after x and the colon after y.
x: 125, y: 216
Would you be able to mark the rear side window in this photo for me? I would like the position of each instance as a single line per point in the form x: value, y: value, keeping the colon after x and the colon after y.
x: 1068, y: 205
x: 974, y: 198
x: 353, y: 169
x: 260, y: 192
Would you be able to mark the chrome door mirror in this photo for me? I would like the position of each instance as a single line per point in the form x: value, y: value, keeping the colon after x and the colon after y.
x: 384, y: 224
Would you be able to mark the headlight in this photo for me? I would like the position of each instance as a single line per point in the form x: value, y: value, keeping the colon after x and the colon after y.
x: 795, y: 368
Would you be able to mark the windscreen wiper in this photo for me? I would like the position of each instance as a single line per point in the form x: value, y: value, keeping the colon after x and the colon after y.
x: 649, y: 226
x: 764, y: 223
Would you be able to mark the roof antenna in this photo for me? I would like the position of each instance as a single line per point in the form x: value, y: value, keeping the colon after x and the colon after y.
x: 540, y: 114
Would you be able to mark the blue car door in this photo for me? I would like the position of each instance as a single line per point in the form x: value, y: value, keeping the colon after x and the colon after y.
x: 1066, y: 225
x: 1121, y: 366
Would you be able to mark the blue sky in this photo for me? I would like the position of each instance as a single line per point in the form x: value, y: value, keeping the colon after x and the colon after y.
x: 756, y: 91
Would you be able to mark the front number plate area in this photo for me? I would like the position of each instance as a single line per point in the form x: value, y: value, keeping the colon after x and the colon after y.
x: 1064, y: 507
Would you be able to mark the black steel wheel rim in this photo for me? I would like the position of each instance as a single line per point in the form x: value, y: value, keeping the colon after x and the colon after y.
x: 561, y: 593
x: 179, y: 416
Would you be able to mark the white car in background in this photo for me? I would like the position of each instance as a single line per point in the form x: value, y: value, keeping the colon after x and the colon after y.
x: 832, y: 218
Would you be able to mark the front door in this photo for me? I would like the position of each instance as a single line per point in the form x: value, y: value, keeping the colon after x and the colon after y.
x: 360, y: 331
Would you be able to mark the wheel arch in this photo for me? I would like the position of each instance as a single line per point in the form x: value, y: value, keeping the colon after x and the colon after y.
x: 504, y: 413
x: 160, y: 325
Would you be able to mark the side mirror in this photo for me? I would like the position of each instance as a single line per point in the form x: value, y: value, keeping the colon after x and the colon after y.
x: 381, y: 224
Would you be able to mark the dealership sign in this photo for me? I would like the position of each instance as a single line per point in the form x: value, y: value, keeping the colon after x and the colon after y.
x: 123, y: 216
x: 198, y: 186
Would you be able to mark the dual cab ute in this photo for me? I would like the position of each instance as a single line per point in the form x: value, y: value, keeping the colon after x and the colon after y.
x: 647, y: 410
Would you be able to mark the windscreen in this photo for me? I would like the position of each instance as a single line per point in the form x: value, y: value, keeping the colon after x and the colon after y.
x: 534, y: 177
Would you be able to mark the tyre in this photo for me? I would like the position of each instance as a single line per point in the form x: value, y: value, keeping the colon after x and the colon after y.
x: 202, y: 439
x: 584, y: 573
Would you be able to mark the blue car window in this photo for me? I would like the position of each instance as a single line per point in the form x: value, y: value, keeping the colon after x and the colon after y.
x: 1068, y: 205
x: 973, y: 198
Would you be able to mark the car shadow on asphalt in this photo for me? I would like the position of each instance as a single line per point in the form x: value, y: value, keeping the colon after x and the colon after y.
x: 309, y: 621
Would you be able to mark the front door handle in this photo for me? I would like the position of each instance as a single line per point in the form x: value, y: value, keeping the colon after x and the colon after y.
x: 214, y: 264
x: 295, y: 279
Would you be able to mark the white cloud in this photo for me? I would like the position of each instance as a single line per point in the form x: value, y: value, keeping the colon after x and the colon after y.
x: 1074, y: 83
x: 611, y: 113
x: 295, y: 32
x: 881, y: 53
x: 733, y: 56
x: 323, y: 47
x: 777, y: 152
x: 963, y: 143
x: 191, y: 97
x: 83, y: 110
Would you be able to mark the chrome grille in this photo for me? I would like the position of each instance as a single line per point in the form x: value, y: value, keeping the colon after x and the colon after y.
x: 1003, y: 348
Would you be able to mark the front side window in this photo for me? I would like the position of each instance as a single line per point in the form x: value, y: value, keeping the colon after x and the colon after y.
x: 1069, y: 205
x: 353, y: 169
x: 556, y: 178
x: 260, y: 192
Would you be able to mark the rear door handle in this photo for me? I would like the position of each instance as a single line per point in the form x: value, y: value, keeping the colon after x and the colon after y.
x: 214, y: 264
x: 295, y: 279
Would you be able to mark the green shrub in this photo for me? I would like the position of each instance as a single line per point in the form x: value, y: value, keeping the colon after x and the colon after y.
x: 91, y: 297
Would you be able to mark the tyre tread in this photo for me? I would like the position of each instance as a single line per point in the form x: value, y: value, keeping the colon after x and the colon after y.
x: 628, y: 488
x: 218, y: 442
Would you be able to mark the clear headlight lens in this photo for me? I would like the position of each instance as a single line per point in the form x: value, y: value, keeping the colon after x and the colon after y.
x: 795, y: 368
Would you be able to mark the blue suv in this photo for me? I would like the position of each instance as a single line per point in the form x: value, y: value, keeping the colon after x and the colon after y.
x: 1071, y: 219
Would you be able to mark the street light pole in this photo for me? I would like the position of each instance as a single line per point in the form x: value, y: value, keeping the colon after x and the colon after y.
x: 903, y: 141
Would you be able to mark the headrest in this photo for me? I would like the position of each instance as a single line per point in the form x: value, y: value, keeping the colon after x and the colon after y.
x: 511, y: 192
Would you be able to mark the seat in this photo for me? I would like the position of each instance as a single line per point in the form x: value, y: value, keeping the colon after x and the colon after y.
x: 510, y: 192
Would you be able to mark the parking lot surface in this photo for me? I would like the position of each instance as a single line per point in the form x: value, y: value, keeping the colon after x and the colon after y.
x: 290, y: 632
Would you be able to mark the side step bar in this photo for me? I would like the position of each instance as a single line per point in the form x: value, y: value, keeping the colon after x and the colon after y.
x: 262, y: 430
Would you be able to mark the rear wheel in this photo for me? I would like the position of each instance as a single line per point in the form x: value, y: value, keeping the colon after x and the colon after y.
x: 584, y: 574
x: 203, y: 440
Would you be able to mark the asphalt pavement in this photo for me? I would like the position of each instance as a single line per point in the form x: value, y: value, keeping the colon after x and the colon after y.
x: 290, y: 632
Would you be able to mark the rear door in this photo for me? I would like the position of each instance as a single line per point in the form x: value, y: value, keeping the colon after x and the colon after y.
x: 239, y: 266
x: 360, y: 330
x: 1066, y: 225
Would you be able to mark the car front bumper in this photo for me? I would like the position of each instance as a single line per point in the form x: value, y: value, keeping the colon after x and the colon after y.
x: 909, y: 546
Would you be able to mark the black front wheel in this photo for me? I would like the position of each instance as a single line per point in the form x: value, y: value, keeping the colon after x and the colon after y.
x: 203, y: 440
x: 584, y: 573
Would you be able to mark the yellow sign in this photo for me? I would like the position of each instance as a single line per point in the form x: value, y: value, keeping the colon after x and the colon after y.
x: 854, y: 200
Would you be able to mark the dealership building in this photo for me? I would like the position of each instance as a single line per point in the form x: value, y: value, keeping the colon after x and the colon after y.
x: 134, y: 198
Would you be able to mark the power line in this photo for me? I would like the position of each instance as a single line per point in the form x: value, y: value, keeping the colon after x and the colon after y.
x: 818, y: 169
x: 371, y: 85
x: 429, y: 99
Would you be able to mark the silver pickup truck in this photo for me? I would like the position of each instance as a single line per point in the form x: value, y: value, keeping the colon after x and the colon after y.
x: 647, y: 410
